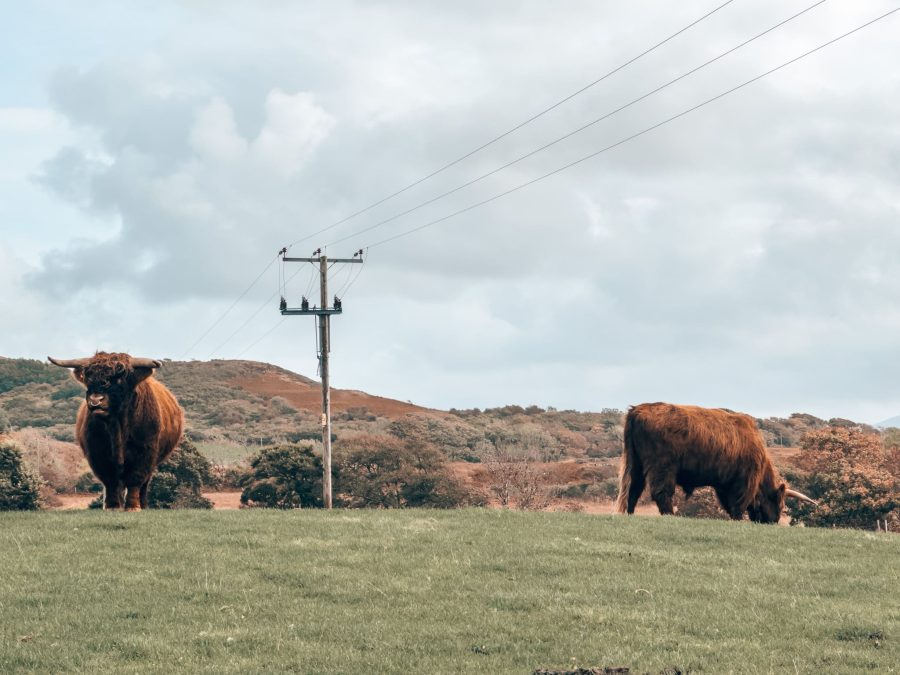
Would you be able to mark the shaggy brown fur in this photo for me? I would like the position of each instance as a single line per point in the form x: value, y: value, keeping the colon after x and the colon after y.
x: 128, y: 424
x: 668, y: 445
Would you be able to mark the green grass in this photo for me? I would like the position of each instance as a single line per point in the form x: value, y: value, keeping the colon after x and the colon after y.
x: 470, y: 591
x: 224, y: 453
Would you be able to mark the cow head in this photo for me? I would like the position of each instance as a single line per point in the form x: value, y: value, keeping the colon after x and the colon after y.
x: 110, y: 379
x: 768, y: 505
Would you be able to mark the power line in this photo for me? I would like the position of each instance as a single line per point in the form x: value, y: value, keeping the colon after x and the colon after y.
x: 636, y: 135
x: 226, y: 312
x: 252, y: 316
x: 579, y: 129
x: 261, y: 338
x: 346, y: 289
x: 458, y: 160
x: 514, y: 128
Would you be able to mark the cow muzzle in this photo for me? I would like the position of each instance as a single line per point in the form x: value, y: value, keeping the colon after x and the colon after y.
x: 97, y: 403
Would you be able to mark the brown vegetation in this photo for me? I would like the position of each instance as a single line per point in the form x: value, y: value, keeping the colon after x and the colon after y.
x: 852, y: 475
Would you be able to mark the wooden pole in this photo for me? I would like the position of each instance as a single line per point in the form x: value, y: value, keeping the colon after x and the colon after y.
x: 323, y: 316
x: 324, y: 345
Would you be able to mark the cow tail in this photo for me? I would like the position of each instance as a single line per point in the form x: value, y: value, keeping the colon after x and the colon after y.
x: 630, y: 462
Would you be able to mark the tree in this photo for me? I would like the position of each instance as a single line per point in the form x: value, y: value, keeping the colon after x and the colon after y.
x: 849, y: 473
x: 284, y: 477
x: 179, y: 480
x: 515, y: 475
x: 382, y: 471
x: 19, y: 487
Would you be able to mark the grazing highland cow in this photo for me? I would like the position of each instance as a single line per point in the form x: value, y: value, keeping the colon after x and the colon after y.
x: 128, y: 424
x: 668, y: 445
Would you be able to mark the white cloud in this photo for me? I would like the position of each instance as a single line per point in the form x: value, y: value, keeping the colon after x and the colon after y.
x: 214, y: 134
x: 742, y: 256
x: 294, y: 127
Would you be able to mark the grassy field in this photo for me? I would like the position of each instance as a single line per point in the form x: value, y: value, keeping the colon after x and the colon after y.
x: 471, y: 591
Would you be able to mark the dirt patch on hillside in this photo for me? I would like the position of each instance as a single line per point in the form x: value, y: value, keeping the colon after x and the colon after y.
x: 306, y: 396
x: 783, y: 456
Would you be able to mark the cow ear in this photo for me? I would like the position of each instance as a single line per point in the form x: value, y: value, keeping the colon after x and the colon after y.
x: 781, y: 490
x: 140, y: 374
x: 78, y: 374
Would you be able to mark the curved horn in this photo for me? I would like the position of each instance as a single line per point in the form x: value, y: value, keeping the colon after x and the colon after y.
x: 799, y: 495
x: 145, y: 363
x: 69, y: 363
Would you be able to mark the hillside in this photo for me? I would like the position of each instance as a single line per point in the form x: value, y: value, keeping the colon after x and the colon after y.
x: 249, y: 403
x: 890, y: 422
x: 234, y: 407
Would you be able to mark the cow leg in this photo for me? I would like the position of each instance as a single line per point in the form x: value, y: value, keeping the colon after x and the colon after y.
x: 662, y: 489
x: 734, y: 511
x: 145, y: 488
x: 635, y: 489
x: 112, y: 495
x: 665, y: 500
x: 133, y: 500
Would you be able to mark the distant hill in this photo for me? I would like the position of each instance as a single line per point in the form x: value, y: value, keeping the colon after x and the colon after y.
x: 233, y: 406
x: 241, y: 400
x: 890, y: 422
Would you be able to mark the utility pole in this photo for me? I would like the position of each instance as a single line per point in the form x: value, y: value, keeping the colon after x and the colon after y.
x: 323, y: 316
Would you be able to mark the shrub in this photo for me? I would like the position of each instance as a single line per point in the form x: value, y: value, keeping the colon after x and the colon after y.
x: 703, y: 503
x: 179, y: 480
x: 87, y: 482
x: 382, y: 471
x: 5, y: 424
x: 19, y: 487
x: 849, y: 472
x: 284, y: 477
x: 515, y: 476
x: 230, y: 477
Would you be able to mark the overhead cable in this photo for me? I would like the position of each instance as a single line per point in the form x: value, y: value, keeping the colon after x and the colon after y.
x: 578, y: 130
x: 636, y: 135
x: 514, y: 128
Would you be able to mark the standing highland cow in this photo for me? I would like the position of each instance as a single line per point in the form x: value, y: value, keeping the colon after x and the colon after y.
x: 680, y: 445
x: 128, y: 424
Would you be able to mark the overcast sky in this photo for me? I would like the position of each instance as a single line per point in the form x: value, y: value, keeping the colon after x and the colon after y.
x: 155, y: 156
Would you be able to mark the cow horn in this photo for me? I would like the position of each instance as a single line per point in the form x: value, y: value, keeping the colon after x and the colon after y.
x: 69, y: 363
x: 799, y: 495
x: 145, y: 363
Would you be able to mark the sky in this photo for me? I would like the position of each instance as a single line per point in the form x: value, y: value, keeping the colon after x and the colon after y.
x: 156, y: 156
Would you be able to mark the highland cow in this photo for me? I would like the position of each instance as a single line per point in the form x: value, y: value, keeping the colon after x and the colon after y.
x: 127, y: 425
x: 678, y: 445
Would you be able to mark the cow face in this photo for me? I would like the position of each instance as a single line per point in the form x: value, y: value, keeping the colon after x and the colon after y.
x: 110, y: 380
x: 768, y: 504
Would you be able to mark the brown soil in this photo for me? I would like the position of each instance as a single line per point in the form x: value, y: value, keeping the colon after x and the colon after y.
x: 222, y: 501
x: 306, y: 396
x: 74, y: 502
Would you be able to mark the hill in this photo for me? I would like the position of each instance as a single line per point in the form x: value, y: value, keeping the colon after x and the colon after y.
x: 465, y: 591
x: 889, y: 423
x: 246, y: 403
x: 234, y: 407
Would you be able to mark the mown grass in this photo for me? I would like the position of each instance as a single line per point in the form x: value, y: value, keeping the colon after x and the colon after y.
x: 471, y: 591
